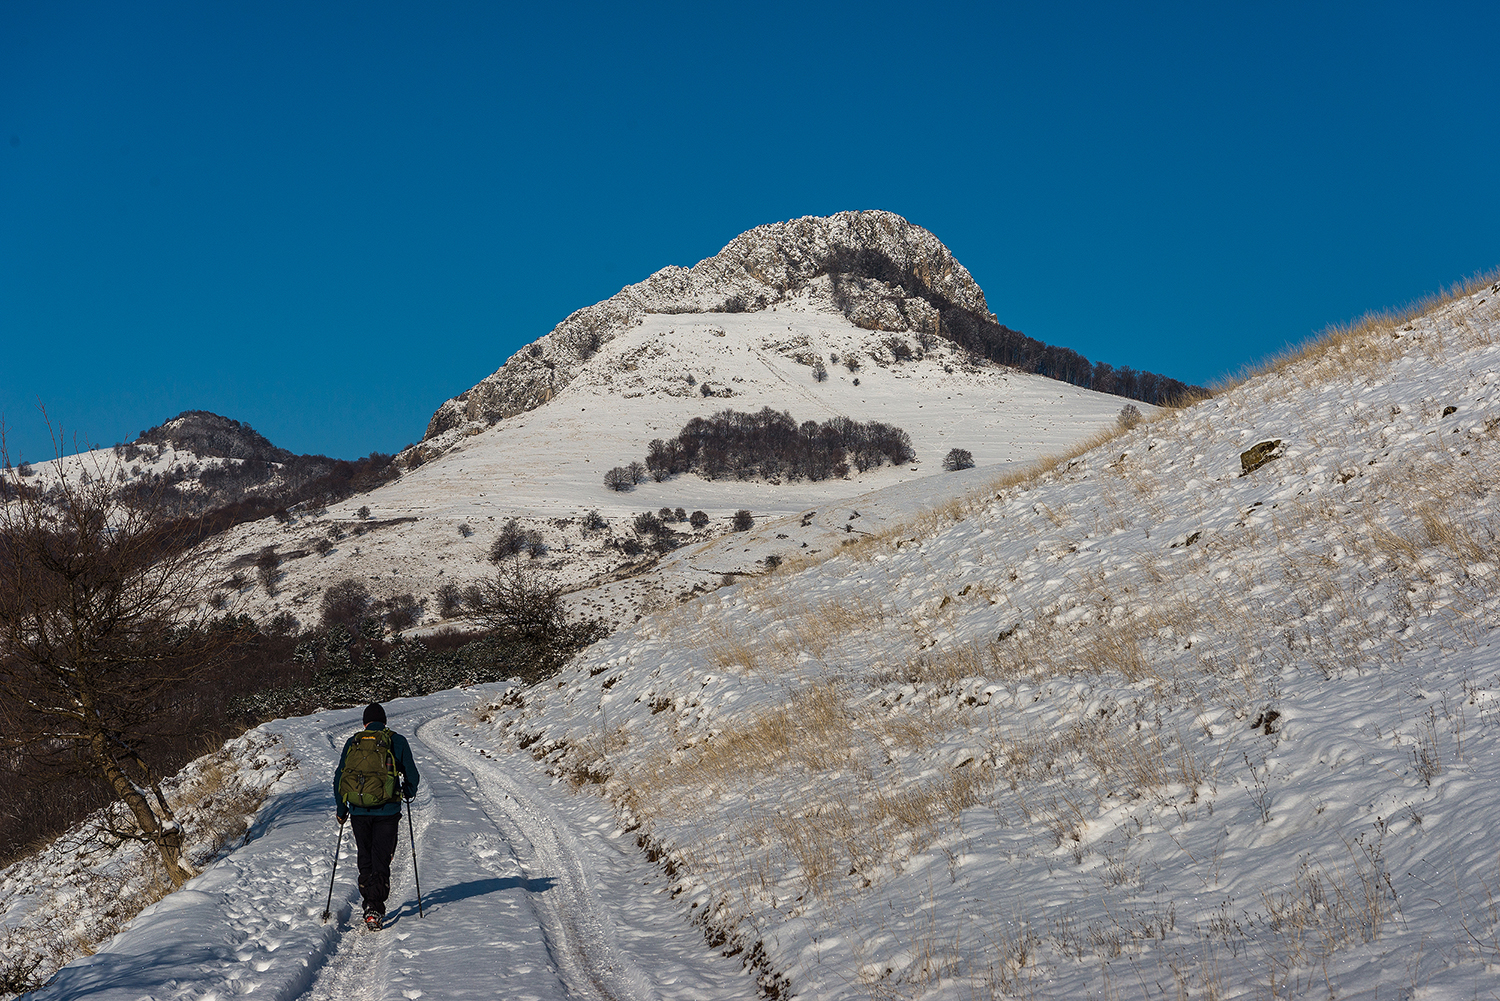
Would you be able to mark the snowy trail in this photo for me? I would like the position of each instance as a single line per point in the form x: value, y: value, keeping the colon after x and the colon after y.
x: 526, y: 895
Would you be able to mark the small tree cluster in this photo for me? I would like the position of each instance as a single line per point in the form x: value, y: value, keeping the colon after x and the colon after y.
x: 743, y: 520
x: 594, y: 522
x: 623, y: 478
x: 514, y: 540
x: 698, y: 519
x: 771, y: 445
x: 345, y: 603
x: 517, y: 601
x: 399, y: 612
x: 820, y: 371
x: 1129, y: 417
x: 450, y: 600
x: 268, y: 568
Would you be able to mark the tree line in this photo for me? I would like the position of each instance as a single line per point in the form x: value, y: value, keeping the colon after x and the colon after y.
x: 116, y: 668
x: 983, y: 336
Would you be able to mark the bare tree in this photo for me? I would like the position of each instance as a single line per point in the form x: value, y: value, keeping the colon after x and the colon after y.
x: 517, y: 601
x: 958, y: 458
x: 268, y: 568
x: 101, y: 631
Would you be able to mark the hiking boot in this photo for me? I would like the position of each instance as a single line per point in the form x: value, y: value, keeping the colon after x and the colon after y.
x: 374, y: 920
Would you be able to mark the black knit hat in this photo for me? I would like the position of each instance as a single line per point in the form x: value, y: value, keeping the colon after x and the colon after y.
x: 374, y: 713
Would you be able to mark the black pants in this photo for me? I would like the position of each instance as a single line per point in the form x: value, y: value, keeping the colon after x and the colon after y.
x: 375, y: 837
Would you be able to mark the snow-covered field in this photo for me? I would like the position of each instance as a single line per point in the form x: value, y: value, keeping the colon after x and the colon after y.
x: 435, y: 524
x: 528, y: 892
x: 1142, y: 723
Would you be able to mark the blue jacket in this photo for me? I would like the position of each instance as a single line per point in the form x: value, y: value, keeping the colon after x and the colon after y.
x: 401, y: 750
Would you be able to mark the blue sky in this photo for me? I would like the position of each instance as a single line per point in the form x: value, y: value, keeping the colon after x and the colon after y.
x: 325, y: 219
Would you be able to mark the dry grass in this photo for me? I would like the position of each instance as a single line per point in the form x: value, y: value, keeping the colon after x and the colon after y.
x: 1367, y: 346
x: 1170, y: 622
x: 1329, y: 908
x: 214, y: 807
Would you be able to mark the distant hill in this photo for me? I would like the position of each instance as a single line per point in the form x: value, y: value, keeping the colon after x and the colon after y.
x: 210, y: 435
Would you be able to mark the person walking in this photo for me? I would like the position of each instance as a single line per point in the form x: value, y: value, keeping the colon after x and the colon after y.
x: 375, y: 772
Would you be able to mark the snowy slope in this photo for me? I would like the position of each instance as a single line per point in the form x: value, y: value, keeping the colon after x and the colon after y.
x: 528, y: 893
x: 1144, y: 724
x: 547, y: 465
x: 1141, y: 724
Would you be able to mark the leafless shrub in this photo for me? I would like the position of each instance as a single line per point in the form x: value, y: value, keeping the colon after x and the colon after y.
x: 517, y: 600
x: 958, y: 458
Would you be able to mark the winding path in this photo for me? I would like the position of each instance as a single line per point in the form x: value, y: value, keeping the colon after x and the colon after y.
x: 529, y: 894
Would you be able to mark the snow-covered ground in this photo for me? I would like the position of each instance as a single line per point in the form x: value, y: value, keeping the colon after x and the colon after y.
x: 1145, y: 724
x: 436, y: 523
x: 1141, y: 724
x: 528, y: 892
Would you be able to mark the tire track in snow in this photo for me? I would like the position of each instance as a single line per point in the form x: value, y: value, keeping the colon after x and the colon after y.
x: 576, y: 925
x: 521, y: 903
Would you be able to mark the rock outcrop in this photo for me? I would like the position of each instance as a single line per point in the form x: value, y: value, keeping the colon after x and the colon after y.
x: 881, y: 272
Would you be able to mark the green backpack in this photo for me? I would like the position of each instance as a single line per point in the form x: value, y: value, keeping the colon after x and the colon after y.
x: 369, y: 777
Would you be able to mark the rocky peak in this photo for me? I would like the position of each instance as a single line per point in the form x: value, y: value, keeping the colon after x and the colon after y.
x: 207, y: 434
x: 880, y: 271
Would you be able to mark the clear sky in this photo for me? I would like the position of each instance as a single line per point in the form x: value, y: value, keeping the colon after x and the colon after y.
x: 323, y: 219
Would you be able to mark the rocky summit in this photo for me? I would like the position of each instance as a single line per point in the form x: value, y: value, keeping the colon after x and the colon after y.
x: 882, y: 273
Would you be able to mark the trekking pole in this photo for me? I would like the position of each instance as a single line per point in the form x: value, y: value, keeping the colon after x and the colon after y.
x: 328, y: 908
x: 413, y: 832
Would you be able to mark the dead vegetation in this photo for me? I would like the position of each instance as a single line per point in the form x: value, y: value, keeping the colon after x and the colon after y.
x: 112, y: 881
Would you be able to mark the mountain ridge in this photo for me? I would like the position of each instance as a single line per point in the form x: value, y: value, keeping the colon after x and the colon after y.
x: 875, y: 268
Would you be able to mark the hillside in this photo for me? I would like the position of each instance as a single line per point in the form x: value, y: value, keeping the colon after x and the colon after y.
x: 546, y: 466
x: 860, y: 316
x: 1152, y: 720
x: 873, y: 269
x: 205, y: 466
x: 1174, y: 715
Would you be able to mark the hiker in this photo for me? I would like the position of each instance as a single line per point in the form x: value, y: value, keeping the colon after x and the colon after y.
x: 375, y: 771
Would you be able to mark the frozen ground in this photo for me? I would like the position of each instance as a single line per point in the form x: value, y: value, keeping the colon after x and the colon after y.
x: 529, y: 892
x: 1144, y: 723
x: 436, y: 523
